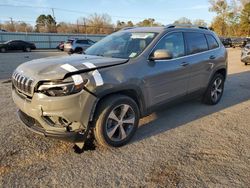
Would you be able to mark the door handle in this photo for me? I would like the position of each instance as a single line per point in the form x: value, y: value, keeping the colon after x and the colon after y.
x: 212, y: 57
x: 184, y: 64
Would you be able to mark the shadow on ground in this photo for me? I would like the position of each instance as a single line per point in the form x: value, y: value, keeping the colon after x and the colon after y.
x: 237, y: 90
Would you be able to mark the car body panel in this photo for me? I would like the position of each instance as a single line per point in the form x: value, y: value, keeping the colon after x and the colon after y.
x: 51, y: 68
x: 151, y: 82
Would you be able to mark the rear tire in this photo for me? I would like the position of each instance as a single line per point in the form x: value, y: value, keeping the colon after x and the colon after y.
x: 214, y: 90
x: 78, y: 50
x: 116, y: 121
x: 3, y: 50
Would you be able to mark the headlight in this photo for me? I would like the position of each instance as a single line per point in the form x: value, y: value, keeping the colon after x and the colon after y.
x: 61, y: 88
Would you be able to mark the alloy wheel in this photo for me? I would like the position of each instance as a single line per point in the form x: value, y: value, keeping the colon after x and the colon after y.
x: 217, y: 89
x: 120, y: 122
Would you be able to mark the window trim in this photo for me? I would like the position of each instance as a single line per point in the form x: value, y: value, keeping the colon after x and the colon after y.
x: 162, y: 39
x: 186, y: 55
x: 214, y: 39
x: 204, y: 35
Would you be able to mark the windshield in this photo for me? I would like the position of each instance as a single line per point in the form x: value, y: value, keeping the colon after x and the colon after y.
x: 7, y: 42
x: 121, y: 45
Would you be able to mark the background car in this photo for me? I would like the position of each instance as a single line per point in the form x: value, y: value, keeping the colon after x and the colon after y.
x: 77, y: 45
x: 227, y: 42
x: 17, y: 45
x: 245, y: 54
x: 60, y: 46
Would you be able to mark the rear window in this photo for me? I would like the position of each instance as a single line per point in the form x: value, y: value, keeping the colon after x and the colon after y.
x: 82, y: 42
x: 196, y: 42
x: 212, y: 42
x: 69, y: 42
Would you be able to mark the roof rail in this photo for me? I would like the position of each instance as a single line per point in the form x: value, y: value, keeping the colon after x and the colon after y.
x: 126, y: 28
x: 185, y: 26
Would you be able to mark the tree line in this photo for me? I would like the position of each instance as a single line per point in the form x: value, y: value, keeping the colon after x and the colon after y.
x: 94, y: 24
x: 232, y: 19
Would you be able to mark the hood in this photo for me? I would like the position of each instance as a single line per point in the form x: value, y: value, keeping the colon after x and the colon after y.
x: 51, y: 68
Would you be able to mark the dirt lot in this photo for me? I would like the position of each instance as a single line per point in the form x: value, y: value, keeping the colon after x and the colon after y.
x: 189, y: 145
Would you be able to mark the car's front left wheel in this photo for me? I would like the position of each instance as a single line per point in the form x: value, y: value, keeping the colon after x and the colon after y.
x: 116, y: 121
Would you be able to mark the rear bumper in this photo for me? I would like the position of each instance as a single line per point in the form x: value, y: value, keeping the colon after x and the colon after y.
x: 69, y: 50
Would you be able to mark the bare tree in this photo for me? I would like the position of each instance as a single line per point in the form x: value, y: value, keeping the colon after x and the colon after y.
x: 183, y: 20
x: 200, y: 22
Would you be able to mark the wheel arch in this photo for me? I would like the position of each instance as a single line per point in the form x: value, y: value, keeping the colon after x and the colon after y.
x: 221, y: 70
x: 132, y: 93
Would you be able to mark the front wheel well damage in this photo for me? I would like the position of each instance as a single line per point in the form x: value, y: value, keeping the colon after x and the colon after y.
x: 129, y: 93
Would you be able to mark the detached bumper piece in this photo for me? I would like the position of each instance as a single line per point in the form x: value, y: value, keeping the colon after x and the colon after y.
x: 35, y: 127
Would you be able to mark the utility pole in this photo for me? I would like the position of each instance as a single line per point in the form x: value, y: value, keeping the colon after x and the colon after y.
x: 12, y: 24
x: 77, y: 26
x: 85, y: 26
x: 53, y: 15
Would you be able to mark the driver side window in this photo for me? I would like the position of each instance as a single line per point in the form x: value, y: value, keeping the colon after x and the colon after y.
x: 174, y: 43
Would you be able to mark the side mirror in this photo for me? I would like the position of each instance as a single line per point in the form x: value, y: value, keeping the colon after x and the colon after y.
x: 161, y: 54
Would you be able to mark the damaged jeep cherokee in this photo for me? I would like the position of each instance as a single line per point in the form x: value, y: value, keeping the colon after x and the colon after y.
x: 118, y: 80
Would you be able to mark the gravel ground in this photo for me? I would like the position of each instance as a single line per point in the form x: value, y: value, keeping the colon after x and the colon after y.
x: 188, y: 145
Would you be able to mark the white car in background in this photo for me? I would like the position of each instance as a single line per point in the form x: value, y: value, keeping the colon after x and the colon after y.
x: 245, y: 54
x: 77, y: 45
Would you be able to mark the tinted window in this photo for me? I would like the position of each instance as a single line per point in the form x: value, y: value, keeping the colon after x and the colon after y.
x: 196, y: 42
x: 82, y: 41
x: 174, y: 43
x: 212, y: 43
x: 91, y: 42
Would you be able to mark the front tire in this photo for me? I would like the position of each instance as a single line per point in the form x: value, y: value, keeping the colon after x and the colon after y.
x: 246, y: 64
x: 214, y: 90
x: 116, y: 121
x: 27, y: 49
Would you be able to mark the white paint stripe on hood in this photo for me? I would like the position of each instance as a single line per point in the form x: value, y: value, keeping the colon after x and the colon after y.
x: 69, y: 68
x: 89, y: 65
x: 76, y: 78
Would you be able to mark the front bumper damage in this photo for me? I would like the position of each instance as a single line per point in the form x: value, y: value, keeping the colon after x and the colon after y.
x: 40, y: 114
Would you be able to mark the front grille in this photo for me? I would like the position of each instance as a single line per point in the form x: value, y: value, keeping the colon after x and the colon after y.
x: 22, y: 83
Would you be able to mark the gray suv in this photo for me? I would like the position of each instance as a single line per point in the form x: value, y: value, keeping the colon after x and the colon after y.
x: 123, y: 77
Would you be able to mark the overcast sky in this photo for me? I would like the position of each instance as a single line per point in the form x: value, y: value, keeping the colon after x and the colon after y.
x: 164, y: 11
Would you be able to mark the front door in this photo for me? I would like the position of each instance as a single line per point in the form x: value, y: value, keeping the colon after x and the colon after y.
x: 168, y: 79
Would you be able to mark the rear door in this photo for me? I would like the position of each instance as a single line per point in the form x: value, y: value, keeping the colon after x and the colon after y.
x: 167, y: 79
x: 198, y: 57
